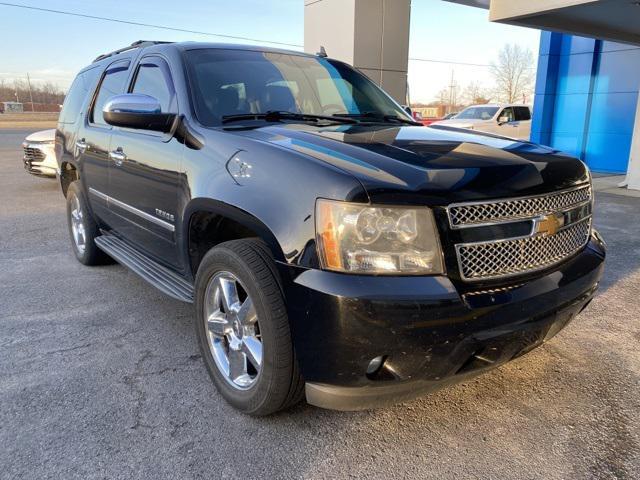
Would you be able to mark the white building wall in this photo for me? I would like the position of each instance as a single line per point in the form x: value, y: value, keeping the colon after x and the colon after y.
x: 371, y: 35
x: 633, y: 171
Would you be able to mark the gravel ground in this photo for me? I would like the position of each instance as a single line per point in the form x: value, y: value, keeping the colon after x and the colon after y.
x: 100, y: 377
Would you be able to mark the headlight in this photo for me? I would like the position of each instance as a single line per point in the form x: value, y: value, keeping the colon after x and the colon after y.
x: 357, y: 238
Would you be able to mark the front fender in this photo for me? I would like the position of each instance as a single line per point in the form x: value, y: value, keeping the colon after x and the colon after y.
x: 275, y: 193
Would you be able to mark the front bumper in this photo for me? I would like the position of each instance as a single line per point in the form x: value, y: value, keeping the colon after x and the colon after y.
x: 39, y: 159
x: 429, y: 335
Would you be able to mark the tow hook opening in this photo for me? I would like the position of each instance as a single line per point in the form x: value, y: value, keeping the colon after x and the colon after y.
x: 379, y: 369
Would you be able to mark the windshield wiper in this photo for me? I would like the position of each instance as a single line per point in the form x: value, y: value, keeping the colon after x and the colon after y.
x: 377, y: 117
x: 275, y: 116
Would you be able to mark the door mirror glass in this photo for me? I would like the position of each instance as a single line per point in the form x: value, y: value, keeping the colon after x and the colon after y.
x: 134, y: 110
x: 503, y: 120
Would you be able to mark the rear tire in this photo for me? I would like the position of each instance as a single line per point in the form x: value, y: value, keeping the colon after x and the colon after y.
x: 243, y: 330
x: 83, y: 229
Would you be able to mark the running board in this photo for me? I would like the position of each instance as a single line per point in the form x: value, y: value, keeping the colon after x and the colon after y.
x: 160, y: 277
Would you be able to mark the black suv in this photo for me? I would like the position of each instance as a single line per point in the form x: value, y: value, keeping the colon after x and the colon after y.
x: 333, y: 248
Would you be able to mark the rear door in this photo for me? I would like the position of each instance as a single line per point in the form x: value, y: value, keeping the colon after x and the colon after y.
x: 94, y: 137
x: 143, y: 182
x: 72, y: 115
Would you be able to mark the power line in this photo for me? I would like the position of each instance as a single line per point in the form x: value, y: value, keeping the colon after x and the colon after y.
x: 487, y: 65
x: 150, y: 25
x: 211, y: 34
x: 449, y: 62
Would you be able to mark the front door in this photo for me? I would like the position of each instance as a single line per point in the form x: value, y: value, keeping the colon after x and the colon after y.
x: 144, y: 172
x: 507, y: 124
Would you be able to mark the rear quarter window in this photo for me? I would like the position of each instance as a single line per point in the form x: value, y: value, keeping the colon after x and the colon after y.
x: 77, y: 95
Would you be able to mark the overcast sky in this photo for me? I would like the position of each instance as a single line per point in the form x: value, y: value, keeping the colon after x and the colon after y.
x: 54, y: 47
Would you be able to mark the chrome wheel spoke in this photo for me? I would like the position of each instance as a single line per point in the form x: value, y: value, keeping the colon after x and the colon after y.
x: 217, y: 324
x: 237, y: 364
x: 229, y: 293
x: 221, y: 359
x: 247, y: 313
x: 252, y: 348
x: 77, y: 226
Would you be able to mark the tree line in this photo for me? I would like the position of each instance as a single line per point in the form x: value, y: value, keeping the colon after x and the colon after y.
x: 44, y: 93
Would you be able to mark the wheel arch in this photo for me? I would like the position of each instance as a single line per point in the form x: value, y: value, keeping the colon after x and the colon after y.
x: 69, y: 173
x: 207, y: 222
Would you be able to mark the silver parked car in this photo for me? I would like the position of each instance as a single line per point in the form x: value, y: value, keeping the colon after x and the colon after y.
x: 508, y: 120
x: 39, y: 156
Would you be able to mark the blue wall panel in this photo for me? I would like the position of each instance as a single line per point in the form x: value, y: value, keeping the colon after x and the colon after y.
x: 608, y: 152
x: 586, y: 98
x: 574, y: 73
x: 613, y: 113
x: 571, y: 45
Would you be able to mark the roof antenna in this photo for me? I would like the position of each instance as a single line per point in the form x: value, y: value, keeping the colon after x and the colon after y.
x: 322, y: 53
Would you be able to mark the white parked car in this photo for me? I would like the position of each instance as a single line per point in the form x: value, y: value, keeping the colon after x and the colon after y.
x: 512, y: 121
x: 39, y: 155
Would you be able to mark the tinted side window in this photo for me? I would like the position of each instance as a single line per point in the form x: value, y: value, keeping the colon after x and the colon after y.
x: 79, y: 91
x: 112, y: 84
x: 153, y: 78
x: 73, y: 101
x: 523, y: 113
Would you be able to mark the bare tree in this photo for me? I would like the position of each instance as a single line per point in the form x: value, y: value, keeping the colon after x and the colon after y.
x: 443, y: 97
x: 476, y: 94
x: 513, y: 73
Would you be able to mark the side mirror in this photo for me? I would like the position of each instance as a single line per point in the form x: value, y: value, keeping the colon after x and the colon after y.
x: 502, y: 120
x: 133, y: 110
x: 407, y: 109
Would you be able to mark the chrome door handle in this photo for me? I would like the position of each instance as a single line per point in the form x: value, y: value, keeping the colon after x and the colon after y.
x: 118, y: 156
x: 81, y: 145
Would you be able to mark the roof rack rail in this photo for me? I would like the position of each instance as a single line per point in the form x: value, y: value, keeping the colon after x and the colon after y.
x: 138, y: 44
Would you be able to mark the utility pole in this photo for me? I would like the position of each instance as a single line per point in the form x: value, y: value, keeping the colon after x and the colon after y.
x: 30, y: 94
x: 452, y: 98
x: 15, y: 85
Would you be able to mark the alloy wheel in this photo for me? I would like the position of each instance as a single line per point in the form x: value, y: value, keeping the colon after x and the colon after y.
x: 77, y: 226
x: 233, y: 331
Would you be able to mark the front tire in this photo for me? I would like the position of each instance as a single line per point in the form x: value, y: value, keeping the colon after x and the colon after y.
x: 243, y: 330
x: 83, y: 229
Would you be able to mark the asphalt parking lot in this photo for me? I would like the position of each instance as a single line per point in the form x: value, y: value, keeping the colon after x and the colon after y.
x: 100, y: 377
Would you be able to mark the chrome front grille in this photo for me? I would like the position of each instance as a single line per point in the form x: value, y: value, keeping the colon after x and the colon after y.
x: 33, y: 154
x: 560, y: 227
x: 477, y: 213
x: 488, y: 260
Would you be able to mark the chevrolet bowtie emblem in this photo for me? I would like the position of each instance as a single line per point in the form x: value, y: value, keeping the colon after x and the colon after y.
x: 549, y: 224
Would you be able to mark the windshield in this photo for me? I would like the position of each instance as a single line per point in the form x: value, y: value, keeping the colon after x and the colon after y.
x: 477, y: 113
x: 235, y: 82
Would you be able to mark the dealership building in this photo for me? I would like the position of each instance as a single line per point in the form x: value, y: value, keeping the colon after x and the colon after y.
x: 588, y: 79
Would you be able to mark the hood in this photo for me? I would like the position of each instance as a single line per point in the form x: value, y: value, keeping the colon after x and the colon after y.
x: 42, y: 136
x: 430, y: 165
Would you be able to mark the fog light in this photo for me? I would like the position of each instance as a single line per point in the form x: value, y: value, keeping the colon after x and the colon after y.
x: 375, y: 365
